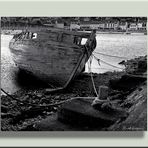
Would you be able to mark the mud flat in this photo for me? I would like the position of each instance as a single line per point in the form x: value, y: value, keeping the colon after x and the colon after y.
x: 26, y: 108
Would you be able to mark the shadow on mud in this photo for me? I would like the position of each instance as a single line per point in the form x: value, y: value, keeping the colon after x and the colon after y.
x: 26, y: 80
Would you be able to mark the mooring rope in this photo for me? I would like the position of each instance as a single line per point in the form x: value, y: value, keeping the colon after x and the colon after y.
x: 92, y: 79
x: 47, y: 105
x: 107, y: 63
x: 89, y: 67
x: 10, y: 96
x: 100, y: 53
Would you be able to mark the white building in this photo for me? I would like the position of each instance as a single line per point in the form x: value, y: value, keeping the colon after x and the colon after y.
x: 133, y: 26
x: 86, y: 19
x: 74, y: 26
x: 59, y: 25
x: 123, y: 26
x: 116, y: 26
x: 109, y: 25
x: 90, y: 26
x: 101, y: 25
x: 85, y: 26
x: 141, y: 26
x: 94, y: 26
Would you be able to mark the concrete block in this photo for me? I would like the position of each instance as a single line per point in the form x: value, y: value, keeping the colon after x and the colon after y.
x: 103, y: 92
x: 51, y: 124
x: 102, y: 95
x: 80, y: 112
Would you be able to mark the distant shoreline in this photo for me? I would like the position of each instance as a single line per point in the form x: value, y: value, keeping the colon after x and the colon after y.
x: 118, y: 32
x: 12, y: 32
x: 128, y: 33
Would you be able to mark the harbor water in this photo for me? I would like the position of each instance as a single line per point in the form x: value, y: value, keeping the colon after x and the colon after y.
x: 114, y: 48
x: 111, y: 49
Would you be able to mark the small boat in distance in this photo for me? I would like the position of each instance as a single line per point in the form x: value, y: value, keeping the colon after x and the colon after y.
x: 54, y: 55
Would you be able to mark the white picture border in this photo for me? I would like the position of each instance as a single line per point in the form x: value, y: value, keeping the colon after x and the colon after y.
x: 73, y: 8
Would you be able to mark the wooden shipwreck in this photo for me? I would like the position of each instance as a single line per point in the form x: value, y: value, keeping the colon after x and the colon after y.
x: 54, y: 55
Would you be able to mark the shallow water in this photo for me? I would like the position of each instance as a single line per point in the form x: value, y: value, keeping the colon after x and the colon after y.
x: 8, y: 69
x: 122, y: 45
x: 127, y: 46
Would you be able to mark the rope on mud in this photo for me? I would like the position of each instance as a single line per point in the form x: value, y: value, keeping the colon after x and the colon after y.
x: 47, y: 105
x: 74, y: 98
x: 61, y: 102
x: 107, y: 63
x: 10, y: 96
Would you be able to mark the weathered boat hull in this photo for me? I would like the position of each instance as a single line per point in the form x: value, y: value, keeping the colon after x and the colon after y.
x: 51, y: 60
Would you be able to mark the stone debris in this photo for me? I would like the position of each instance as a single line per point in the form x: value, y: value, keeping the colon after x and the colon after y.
x: 136, y: 105
x: 81, y: 113
x: 136, y: 66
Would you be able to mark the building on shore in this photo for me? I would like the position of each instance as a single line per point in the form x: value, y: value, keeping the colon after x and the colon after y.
x: 89, y: 25
x: 133, y: 27
x: 123, y: 26
x: 59, y: 24
x: 132, y: 24
x: 142, y: 26
x: 74, y: 26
